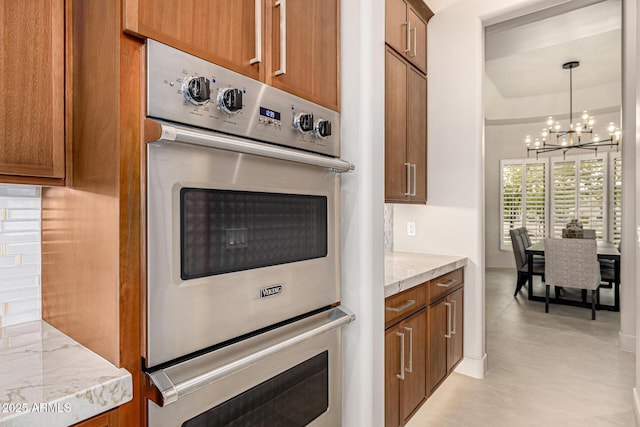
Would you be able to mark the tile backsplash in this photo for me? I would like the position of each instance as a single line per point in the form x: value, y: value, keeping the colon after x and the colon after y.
x: 20, y: 254
x: 388, y: 227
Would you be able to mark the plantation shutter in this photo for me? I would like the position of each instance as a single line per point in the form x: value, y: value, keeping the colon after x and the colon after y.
x: 616, y: 198
x: 536, y: 200
x: 563, y: 195
x: 511, y: 200
x: 592, y: 195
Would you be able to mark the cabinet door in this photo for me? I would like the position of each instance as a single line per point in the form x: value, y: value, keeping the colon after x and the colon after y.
x: 305, y: 61
x: 437, y: 315
x: 396, y: 26
x: 417, y: 134
x: 396, y: 174
x: 418, y: 40
x: 32, y: 88
x: 455, y: 349
x: 221, y: 31
x: 393, y: 341
x: 415, y: 383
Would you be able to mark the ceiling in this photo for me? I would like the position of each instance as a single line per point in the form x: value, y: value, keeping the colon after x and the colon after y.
x: 524, y: 56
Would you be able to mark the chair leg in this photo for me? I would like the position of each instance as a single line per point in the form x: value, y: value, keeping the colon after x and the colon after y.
x: 593, y: 304
x: 522, y: 278
x: 546, y: 298
x: 584, y: 295
x: 557, y: 289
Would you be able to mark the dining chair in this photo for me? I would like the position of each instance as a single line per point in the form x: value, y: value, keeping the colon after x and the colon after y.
x: 572, y: 263
x: 520, y: 241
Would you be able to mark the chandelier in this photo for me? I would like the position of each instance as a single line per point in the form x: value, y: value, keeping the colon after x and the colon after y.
x: 579, y: 135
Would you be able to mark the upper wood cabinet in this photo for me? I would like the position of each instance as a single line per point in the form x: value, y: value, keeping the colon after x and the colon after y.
x: 32, y: 105
x: 406, y: 30
x: 290, y: 44
x: 405, y: 132
x: 305, y: 61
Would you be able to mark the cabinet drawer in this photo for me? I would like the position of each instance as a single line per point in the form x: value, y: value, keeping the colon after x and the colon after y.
x: 399, y: 306
x: 444, y: 285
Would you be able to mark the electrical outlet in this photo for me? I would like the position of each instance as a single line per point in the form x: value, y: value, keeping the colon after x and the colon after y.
x: 411, y: 228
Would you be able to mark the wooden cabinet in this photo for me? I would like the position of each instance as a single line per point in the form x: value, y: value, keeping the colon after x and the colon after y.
x: 423, y: 343
x: 445, y: 329
x: 305, y: 61
x: 290, y: 44
x: 405, y: 132
x: 106, y: 419
x: 406, y: 30
x: 405, y: 368
x: 32, y: 105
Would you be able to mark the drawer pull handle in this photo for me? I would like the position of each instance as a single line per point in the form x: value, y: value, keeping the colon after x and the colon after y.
x: 410, y: 330
x: 449, y: 283
x: 402, y: 307
x: 401, y: 374
x: 448, y: 334
x: 258, y: 35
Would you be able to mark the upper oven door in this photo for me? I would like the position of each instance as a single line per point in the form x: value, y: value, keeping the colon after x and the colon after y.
x: 236, y: 242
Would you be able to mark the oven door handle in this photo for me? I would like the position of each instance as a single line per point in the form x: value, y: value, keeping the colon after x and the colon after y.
x: 156, y: 131
x: 173, y: 389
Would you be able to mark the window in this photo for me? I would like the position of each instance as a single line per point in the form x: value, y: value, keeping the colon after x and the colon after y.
x: 544, y: 195
x: 579, y: 190
x: 524, y: 198
x: 615, y: 201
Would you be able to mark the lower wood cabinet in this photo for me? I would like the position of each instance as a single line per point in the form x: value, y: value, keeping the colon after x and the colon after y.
x: 106, y: 419
x: 445, y: 323
x: 423, y: 343
x: 405, y: 368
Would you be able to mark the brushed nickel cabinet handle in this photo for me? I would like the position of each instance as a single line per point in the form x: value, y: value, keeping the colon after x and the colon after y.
x: 410, y: 330
x: 282, y: 4
x: 258, y: 26
x: 401, y: 374
x: 408, y: 165
x: 414, y: 166
x: 448, y: 334
x: 446, y: 285
x: 415, y: 42
x: 402, y: 307
x: 408, y: 41
x: 454, y: 315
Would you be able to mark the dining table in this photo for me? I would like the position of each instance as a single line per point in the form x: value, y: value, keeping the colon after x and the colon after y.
x: 606, y: 250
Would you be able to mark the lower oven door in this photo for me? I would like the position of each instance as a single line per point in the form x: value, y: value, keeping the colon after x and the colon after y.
x: 287, y: 377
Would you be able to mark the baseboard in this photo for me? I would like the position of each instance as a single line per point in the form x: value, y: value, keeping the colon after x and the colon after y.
x: 475, y: 368
x: 627, y: 342
x: 636, y: 405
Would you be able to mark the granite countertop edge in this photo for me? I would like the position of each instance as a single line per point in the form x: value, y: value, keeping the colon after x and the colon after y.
x: 48, y: 379
x: 405, y: 270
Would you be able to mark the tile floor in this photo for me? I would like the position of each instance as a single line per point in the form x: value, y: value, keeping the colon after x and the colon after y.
x: 556, y: 369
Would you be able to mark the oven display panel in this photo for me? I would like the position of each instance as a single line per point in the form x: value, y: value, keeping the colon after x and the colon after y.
x: 275, y: 115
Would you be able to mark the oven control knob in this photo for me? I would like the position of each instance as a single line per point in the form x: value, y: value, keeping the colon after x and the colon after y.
x: 322, y: 128
x: 303, y: 122
x: 196, y: 90
x: 230, y: 100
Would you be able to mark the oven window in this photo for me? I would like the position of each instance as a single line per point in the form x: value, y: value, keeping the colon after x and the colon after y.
x: 224, y: 231
x: 292, y: 399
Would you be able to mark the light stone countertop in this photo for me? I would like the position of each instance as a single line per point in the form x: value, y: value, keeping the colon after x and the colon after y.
x: 47, y: 379
x: 404, y: 270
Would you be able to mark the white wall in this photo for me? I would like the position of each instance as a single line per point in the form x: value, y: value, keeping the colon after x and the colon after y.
x: 362, y: 133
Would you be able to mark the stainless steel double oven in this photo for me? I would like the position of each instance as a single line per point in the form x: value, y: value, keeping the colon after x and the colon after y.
x: 243, y: 222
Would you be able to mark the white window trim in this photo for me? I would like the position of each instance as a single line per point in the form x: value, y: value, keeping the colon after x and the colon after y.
x: 611, y: 189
